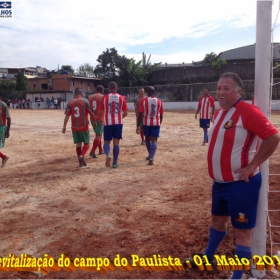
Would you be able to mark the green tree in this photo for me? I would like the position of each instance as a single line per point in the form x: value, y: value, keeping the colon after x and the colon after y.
x: 109, y: 63
x: 7, y: 89
x: 147, y: 68
x: 219, y: 64
x: 68, y: 68
x: 85, y: 70
x: 21, y: 82
x: 209, y: 58
x: 213, y: 60
x: 130, y: 73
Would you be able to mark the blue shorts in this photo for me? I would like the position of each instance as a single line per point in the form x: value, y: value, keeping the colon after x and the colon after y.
x: 238, y: 200
x: 151, y: 131
x: 204, y: 123
x: 112, y: 131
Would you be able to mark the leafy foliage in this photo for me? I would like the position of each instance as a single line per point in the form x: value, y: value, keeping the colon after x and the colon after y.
x: 130, y: 73
x: 21, y: 82
x: 136, y: 73
x: 213, y: 60
x: 147, y: 67
x: 68, y: 68
x: 219, y: 64
x: 108, y: 64
x: 7, y: 89
x: 85, y: 70
x: 209, y: 58
x: 125, y: 71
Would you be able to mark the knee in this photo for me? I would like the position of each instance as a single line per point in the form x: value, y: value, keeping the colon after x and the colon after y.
x: 219, y: 223
x: 243, y: 237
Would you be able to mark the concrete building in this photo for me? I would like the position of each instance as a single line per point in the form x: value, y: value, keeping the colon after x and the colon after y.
x: 239, y: 60
x: 29, y: 72
x: 65, y: 82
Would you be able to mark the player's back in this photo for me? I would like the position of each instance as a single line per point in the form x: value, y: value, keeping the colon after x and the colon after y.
x: 94, y: 101
x: 113, y: 105
x: 152, y: 108
x: 78, y: 109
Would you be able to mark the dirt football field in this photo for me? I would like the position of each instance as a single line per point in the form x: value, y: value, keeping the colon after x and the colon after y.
x: 51, y: 207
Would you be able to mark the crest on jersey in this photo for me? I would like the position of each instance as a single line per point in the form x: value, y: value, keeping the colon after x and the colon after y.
x: 229, y: 124
x: 241, y: 218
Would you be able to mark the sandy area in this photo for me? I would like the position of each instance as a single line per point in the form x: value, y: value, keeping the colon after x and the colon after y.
x: 50, y: 206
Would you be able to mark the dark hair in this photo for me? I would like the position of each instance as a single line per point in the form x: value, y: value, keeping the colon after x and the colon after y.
x: 150, y: 90
x: 113, y: 86
x: 100, y: 89
x: 78, y: 91
x: 234, y: 77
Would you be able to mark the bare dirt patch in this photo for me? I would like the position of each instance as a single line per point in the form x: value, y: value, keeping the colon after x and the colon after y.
x: 49, y: 206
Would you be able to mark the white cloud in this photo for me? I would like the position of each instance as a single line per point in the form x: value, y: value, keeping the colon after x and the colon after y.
x: 52, y: 32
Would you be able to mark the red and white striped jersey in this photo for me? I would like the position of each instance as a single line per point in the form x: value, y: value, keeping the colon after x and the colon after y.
x: 233, y: 140
x: 78, y: 109
x: 152, y: 108
x: 205, y: 104
x: 113, y: 106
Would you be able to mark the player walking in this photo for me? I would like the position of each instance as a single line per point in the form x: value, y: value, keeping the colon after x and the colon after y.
x: 139, y: 99
x: 94, y: 101
x: 206, y: 108
x: 151, y: 112
x: 79, y: 109
x: 114, y: 108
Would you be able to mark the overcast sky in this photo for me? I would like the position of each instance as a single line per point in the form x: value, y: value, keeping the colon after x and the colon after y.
x: 49, y: 33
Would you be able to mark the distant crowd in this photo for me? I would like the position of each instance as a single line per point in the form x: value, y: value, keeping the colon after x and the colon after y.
x: 17, y: 103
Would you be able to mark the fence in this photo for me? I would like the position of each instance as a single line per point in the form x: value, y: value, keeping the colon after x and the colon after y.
x: 192, y: 92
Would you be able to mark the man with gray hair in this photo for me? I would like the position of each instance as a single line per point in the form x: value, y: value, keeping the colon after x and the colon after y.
x: 233, y: 164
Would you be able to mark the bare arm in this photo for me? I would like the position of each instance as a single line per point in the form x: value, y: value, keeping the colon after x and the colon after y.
x: 267, y: 148
x: 91, y: 114
x: 65, y: 123
x: 136, y: 109
x: 100, y: 114
x: 124, y: 114
x: 8, y: 128
x: 212, y: 114
x: 197, y: 111
x: 139, y: 119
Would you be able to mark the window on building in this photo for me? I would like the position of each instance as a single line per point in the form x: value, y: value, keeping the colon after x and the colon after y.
x: 44, y: 86
x: 34, y: 85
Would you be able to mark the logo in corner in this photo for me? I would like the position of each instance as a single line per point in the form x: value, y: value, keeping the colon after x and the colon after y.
x: 241, y: 218
x: 5, y: 9
x: 229, y: 124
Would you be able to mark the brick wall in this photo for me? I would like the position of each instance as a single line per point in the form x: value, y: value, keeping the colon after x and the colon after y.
x: 63, y: 82
x: 38, y: 83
